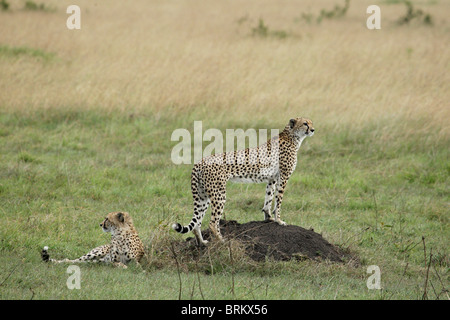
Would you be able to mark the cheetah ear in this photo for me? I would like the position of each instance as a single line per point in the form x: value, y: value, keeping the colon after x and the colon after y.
x: 292, y: 123
x: 120, y: 217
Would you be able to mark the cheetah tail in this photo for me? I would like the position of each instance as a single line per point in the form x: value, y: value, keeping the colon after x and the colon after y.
x: 44, y: 254
x: 179, y: 228
x: 194, y: 186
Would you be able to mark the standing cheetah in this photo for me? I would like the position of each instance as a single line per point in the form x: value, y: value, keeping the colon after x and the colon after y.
x: 272, y: 163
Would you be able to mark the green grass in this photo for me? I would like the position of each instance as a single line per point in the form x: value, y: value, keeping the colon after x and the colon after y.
x: 15, y: 52
x: 62, y: 170
x: 33, y: 6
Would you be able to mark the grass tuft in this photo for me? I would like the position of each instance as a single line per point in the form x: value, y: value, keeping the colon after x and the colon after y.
x: 7, y: 51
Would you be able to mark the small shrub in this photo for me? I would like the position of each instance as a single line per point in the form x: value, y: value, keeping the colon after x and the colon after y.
x: 308, y: 17
x: 30, y: 5
x: 279, y: 34
x: 413, y: 13
x: 242, y: 19
x: 33, y: 6
x: 337, y: 12
x: 262, y: 30
x: 4, y: 5
x: 216, y: 258
x: 27, y: 158
x: 7, y: 51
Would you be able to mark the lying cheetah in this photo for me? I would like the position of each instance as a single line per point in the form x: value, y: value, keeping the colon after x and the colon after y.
x: 125, y: 243
x: 272, y: 162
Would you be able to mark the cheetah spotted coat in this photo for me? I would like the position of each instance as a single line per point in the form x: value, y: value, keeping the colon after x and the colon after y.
x: 125, y: 243
x: 271, y: 163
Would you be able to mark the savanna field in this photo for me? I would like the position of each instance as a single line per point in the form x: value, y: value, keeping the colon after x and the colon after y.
x: 86, y: 119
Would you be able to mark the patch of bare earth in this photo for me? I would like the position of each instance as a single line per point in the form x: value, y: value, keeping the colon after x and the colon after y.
x: 264, y: 239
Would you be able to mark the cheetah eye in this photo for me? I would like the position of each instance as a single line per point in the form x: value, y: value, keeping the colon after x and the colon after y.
x: 305, y: 123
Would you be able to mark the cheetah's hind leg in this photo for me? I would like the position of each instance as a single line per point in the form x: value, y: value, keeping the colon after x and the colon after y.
x: 270, y: 191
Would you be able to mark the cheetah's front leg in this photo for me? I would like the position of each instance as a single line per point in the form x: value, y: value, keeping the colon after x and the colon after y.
x: 279, y: 197
x: 120, y: 264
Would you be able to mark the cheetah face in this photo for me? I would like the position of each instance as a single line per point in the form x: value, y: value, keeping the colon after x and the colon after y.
x: 115, y: 221
x: 301, y: 127
x: 106, y: 225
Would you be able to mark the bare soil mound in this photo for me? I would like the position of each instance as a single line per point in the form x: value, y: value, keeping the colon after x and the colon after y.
x: 268, y: 239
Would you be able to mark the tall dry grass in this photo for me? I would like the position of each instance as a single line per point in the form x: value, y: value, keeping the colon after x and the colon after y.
x: 188, y: 55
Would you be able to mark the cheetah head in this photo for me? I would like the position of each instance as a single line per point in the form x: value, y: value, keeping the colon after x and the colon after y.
x: 115, y: 221
x: 301, y: 127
